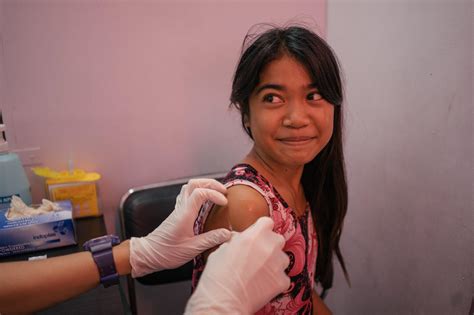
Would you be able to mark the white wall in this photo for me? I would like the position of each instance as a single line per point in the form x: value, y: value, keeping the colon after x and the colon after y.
x: 408, y: 238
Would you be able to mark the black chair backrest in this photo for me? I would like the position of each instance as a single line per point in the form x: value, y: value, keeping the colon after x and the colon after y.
x: 142, y: 210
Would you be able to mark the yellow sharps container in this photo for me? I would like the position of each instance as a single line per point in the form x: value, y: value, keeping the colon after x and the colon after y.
x: 77, y: 185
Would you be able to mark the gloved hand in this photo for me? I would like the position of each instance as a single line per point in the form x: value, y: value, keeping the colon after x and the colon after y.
x: 173, y: 243
x: 244, y: 274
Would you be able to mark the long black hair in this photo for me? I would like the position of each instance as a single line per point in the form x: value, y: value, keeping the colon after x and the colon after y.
x: 323, y: 179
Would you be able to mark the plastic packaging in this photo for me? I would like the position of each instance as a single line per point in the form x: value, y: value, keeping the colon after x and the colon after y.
x: 13, y: 180
x: 39, y: 232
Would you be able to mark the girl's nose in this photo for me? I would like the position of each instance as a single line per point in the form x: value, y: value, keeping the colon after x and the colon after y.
x: 296, y: 115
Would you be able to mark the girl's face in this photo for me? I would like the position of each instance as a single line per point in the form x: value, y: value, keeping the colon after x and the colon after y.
x: 289, y: 120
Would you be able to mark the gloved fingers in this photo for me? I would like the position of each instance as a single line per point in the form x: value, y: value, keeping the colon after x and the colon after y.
x: 211, y: 239
x: 263, y: 224
x: 276, y: 268
x: 223, y: 246
x: 200, y: 195
x: 264, y: 229
x: 220, y: 252
x: 281, y: 259
x: 182, y: 194
x: 208, y: 183
x: 283, y: 282
x: 275, y: 239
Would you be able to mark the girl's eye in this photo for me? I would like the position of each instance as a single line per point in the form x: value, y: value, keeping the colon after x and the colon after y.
x: 271, y: 98
x: 315, y: 96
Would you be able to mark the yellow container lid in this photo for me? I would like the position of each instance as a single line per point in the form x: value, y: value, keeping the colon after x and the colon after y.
x: 55, y: 177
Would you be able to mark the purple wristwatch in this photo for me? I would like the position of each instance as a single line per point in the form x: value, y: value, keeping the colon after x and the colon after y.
x: 101, y: 249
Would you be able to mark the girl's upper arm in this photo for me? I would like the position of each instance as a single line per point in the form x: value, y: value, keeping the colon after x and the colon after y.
x: 245, y: 205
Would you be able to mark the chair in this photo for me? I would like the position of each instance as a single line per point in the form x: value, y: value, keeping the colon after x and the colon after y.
x: 141, y: 210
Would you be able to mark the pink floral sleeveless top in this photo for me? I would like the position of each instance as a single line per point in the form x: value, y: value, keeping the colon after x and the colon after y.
x: 299, y: 233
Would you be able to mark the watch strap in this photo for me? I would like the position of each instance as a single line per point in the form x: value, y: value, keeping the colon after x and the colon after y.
x: 101, y: 250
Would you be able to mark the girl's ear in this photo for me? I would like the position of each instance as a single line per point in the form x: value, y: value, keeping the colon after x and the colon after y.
x: 246, y: 121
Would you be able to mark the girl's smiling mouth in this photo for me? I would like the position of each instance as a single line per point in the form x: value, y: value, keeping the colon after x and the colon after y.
x: 300, y: 140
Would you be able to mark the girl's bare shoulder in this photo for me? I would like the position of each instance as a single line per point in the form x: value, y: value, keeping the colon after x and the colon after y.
x: 245, y: 205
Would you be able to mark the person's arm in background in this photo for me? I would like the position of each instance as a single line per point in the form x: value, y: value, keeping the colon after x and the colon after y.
x: 319, y: 307
x: 32, y: 285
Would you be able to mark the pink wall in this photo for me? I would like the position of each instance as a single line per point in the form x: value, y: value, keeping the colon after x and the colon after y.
x: 137, y: 91
x: 2, y: 71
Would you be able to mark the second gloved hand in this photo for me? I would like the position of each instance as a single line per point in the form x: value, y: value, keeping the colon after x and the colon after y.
x: 244, y: 274
x: 173, y: 243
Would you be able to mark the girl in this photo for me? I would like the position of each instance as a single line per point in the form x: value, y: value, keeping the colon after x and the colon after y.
x: 288, y: 90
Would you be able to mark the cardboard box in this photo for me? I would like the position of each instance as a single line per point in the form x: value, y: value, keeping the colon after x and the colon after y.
x: 55, y: 229
x: 83, y: 196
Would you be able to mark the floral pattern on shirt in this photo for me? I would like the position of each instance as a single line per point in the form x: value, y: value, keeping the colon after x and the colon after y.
x: 300, y: 236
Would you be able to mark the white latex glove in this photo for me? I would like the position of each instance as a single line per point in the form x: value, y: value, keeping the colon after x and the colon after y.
x: 18, y: 209
x: 244, y: 274
x: 173, y: 243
